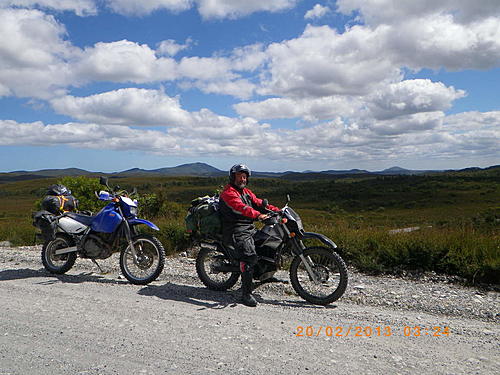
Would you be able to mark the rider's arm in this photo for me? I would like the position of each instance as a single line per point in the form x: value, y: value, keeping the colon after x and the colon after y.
x: 258, y: 202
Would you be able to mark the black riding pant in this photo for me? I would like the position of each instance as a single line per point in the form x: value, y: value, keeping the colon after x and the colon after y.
x: 239, y: 240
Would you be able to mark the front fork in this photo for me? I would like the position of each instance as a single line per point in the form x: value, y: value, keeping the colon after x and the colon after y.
x: 298, y: 248
x: 128, y: 236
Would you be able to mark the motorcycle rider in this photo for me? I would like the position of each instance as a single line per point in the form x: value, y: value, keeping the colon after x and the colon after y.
x: 240, y: 208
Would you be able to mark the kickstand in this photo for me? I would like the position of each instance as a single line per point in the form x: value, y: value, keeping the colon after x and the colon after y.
x: 97, y: 264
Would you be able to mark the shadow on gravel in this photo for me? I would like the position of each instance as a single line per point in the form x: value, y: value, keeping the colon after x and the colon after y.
x: 209, y: 299
x: 199, y: 296
x: 26, y: 273
x: 23, y: 273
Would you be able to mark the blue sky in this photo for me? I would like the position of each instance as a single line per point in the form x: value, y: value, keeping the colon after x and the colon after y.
x: 109, y: 85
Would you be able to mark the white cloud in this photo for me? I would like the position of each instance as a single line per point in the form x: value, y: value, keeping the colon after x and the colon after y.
x: 142, y: 8
x: 397, y: 99
x: 124, y: 61
x: 317, y: 11
x: 208, y: 9
x: 130, y: 106
x: 238, y: 88
x: 439, y: 42
x: 322, y: 62
x: 238, y: 8
x: 411, y: 96
x: 91, y: 136
x: 80, y: 7
x: 34, y: 57
x: 407, y: 124
x: 309, y: 109
x: 170, y: 47
x: 396, y: 11
x: 438, y: 137
x: 450, y: 34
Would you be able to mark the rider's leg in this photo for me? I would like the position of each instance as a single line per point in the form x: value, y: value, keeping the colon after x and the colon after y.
x: 247, y: 298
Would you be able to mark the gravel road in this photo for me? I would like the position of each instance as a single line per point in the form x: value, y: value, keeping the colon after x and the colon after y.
x: 87, y: 322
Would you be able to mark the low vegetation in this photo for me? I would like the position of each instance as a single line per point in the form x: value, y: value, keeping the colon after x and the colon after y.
x: 454, y: 217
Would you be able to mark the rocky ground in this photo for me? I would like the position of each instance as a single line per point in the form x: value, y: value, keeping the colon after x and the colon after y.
x: 176, y: 325
x: 424, y: 292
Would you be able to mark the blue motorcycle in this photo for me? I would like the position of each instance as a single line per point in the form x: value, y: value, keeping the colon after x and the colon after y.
x: 111, y: 230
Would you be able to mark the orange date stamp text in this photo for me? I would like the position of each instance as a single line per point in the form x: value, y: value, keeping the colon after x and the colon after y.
x: 371, y: 331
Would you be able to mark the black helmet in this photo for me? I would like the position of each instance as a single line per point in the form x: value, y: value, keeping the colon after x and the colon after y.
x: 58, y: 189
x: 238, y: 168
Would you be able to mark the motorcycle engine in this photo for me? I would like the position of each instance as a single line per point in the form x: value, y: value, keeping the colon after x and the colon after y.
x: 94, y: 247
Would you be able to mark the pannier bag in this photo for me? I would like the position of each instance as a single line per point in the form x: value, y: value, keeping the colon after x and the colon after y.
x: 59, y: 200
x: 46, y: 222
x: 203, y: 218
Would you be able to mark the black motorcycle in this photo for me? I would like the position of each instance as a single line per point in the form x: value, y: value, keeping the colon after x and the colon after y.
x: 318, y: 274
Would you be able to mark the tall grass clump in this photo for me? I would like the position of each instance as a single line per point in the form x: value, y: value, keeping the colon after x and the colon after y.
x: 461, y: 250
x: 17, y: 232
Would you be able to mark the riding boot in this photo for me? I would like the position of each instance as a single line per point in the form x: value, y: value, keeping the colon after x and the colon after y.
x: 246, y: 286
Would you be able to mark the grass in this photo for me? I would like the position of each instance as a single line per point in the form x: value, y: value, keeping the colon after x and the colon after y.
x: 458, y: 215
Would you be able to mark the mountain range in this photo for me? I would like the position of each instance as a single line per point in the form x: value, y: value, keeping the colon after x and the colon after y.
x: 205, y: 170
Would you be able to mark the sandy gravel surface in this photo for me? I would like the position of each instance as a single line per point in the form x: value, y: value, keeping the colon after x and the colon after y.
x: 86, y: 322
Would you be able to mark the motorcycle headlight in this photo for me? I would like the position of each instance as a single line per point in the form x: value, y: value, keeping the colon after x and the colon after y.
x: 133, y: 211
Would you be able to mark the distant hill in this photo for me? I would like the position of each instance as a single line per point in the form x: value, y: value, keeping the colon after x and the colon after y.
x: 350, y: 171
x: 205, y: 170
x: 54, y: 172
x: 193, y: 169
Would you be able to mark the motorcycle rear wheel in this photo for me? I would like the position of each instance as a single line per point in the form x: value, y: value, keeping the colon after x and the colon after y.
x: 206, y: 261
x: 330, y: 271
x: 149, y: 263
x: 57, y: 264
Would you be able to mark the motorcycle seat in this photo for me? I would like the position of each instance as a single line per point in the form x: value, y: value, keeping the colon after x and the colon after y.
x: 84, y: 219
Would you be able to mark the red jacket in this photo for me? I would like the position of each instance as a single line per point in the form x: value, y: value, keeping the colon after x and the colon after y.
x: 241, y: 205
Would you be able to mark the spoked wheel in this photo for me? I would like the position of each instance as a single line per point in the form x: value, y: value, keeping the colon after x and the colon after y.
x: 57, y: 264
x: 330, y: 276
x: 149, y: 263
x: 208, y: 263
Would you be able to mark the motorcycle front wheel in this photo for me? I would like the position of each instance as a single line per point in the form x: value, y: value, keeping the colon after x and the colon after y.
x: 207, y: 261
x: 328, y: 269
x: 57, y: 264
x: 149, y: 262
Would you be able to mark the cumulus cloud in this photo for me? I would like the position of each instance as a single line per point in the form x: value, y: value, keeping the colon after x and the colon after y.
x: 396, y: 11
x: 322, y: 62
x: 238, y: 8
x: 124, y: 61
x: 407, y: 124
x: 308, y: 109
x: 317, y: 11
x: 80, y: 135
x: 411, y: 96
x: 170, y: 47
x: 80, y: 7
x: 207, y: 133
x: 397, y: 99
x: 133, y: 107
x: 134, y: 7
x: 129, y: 106
x: 34, y: 57
x: 208, y: 9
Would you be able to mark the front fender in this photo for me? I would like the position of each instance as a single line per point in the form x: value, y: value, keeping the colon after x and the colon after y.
x: 328, y: 242
x: 137, y: 221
